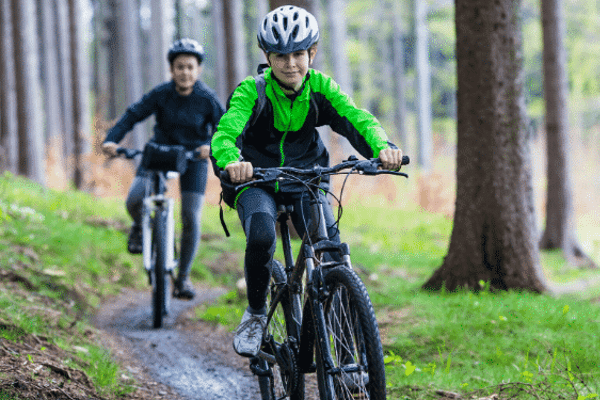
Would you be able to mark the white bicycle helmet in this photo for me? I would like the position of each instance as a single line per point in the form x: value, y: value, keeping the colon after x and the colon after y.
x: 287, y: 29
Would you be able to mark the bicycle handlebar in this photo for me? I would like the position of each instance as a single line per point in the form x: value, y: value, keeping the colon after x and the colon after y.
x: 132, y: 153
x: 356, y: 166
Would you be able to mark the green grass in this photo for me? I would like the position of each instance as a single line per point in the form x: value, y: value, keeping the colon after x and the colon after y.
x: 516, y: 344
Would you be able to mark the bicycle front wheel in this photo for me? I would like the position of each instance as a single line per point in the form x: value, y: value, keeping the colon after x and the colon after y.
x: 353, y: 341
x: 281, y: 378
x: 160, y: 289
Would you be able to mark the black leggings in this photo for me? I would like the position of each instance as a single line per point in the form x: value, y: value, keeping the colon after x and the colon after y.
x: 257, y: 209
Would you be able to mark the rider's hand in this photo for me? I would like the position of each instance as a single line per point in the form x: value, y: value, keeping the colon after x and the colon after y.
x: 203, y: 151
x: 110, y: 149
x: 391, y: 159
x: 240, y: 172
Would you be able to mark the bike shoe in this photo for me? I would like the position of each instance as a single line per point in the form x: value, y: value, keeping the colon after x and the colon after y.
x: 249, y: 334
x: 184, y: 290
x: 134, y: 243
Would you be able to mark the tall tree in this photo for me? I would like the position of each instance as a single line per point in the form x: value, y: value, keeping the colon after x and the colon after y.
x: 494, y: 237
x: 237, y: 65
x: 51, y: 77
x: 339, y: 61
x: 63, y: 54
x: 425, y: 142
x: 128, y: 31
x: 28, y: 92
x: 218, y: 21
x: 158, y: 43
x: 9, y: 144
x: 560, y: 211
x: 79, y: 83
x: 399, y: 79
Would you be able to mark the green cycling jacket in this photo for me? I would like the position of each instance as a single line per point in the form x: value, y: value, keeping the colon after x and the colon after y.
x: 281, y: 131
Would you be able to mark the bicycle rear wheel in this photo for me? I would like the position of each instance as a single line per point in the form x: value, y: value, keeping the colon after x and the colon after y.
x: 282, y: 379
x: 354, y: 343
x: 160, y: 288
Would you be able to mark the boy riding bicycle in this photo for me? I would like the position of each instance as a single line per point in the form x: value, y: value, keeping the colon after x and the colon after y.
x: 187, y: 112
x: 282, y: 132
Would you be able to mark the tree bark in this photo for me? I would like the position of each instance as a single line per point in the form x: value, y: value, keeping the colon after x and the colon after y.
x: 9, y: 141
x: 64, y: 61
x: 494, y: 238
x: 560, y: 211
x: 128, y: 28
x: 399, y: 79
x: 221, y: 55
x: 425, y: 142
x: 237, y: 65
x: 158, y: 44
x: 79, y: 82
x: 28, y: 92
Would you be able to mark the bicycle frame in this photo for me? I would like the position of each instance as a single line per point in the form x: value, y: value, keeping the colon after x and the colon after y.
x: 305, y: 265
x: 153, y: 203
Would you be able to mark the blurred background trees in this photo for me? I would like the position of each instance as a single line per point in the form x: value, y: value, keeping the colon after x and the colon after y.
x: 69, y: 68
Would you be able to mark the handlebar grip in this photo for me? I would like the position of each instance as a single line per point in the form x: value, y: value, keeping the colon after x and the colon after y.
x: 224, y: 175
x: 405, y: 160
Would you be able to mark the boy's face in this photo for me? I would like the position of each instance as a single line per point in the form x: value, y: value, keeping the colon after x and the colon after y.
x: 290, y: 68
x: 185, y: 71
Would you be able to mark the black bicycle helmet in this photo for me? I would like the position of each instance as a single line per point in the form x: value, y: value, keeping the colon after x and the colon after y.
x: 287, y: 29
x: 185, y: 46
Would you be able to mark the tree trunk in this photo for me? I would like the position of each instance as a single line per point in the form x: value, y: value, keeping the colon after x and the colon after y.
x: 9, y: 141
x: 158, y: 44
x: 28, y: 92
x: 79, y: 82
x: 560, y: 211
x: 101, y: 83
x: 399, y: 79
x: 51, y: 89
x: 64, y: 62
x: 340, y: 65
x: 128, y: 23
x: 237, y: 66
x: 220, y: 54
x: 425, y: 145
x: 494, y: 238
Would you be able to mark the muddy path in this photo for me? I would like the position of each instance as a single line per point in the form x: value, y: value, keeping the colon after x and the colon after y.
x: 192, y: 360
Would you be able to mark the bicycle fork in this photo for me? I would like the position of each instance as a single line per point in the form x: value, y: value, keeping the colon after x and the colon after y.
x: 155, y: 205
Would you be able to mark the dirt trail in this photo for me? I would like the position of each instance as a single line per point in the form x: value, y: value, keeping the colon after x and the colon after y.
x: 193, y: 359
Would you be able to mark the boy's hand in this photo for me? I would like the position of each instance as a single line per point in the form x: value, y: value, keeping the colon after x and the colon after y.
x: 391, y: 159
x: 240, y: 172
x: 203, y: 151
x: 110, y: 149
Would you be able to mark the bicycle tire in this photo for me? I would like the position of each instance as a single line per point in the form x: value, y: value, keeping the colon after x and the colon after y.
x: 354, y: 342
x: 160, y: 289
x: 282, y: 382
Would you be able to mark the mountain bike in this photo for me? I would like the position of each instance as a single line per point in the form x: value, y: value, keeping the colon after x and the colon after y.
x: 327, y: 323
x: 158, y: 226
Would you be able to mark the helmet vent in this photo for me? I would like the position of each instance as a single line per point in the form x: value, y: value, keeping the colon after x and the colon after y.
x: 295, y: 16
x: 295, y: 31
x: 285, y: 23
x: 307, y: 22
x: 275, y: 34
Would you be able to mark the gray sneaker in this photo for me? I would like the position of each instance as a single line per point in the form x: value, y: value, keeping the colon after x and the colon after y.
x: 249, y: 334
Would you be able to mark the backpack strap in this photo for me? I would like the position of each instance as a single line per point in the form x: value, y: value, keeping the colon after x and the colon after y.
x: 262, y: 96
